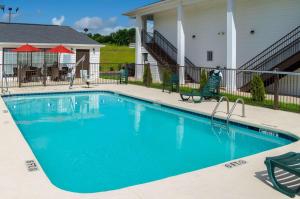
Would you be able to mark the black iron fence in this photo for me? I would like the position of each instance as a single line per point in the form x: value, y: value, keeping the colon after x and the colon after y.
x: 281, y: 89
x: 16, y: 75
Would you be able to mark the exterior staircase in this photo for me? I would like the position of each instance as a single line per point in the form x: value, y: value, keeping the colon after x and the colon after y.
x: 283, y: 55
x: 166, y: 54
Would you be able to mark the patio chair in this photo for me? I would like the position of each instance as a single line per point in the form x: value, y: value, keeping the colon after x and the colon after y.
x: 54, y: 73
x: 211, y: 90
x: 124, y: 76
x: 289, y: 162
x: 172, y: 84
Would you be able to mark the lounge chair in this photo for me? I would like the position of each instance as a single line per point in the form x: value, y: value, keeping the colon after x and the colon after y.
x: 289, y: 162
x: 172, y: 84
x: 211, y: 90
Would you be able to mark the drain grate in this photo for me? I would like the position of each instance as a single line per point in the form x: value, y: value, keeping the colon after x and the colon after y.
x: 237, y: 163
x: 31, y: 165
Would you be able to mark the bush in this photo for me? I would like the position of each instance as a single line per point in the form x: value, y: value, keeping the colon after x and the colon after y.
x: 166, y: 76
x: 203, y: 78
x: 257, y: 89
x: 147, y: 78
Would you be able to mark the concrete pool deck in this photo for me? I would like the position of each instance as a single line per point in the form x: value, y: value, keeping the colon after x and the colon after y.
x: 243, y: 181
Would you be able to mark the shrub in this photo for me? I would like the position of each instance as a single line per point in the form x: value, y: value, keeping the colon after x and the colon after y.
x: 166, y: 76
x: 257, y: 89
x: 147, y: 78
x: 203, y: 78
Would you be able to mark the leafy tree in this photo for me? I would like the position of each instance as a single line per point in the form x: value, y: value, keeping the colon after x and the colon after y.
x: 120, y: 37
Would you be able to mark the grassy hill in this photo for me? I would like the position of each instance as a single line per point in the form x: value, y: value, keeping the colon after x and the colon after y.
x: 117, y: 54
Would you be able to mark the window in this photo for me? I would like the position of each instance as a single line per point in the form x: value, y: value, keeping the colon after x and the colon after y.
x: 35, y: 59
x: 209, y: 55
x: 9, y: 61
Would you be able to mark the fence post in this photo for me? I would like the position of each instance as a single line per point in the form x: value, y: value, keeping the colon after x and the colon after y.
x: 19, y: 75
x: 44, y: 74
x: 276, y: 90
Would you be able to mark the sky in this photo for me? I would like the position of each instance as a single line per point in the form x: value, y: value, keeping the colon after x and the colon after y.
x: 99, y: 16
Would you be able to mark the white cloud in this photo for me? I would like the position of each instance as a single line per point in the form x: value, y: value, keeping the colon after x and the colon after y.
x: 98, y: 25
x: 5, y: 17
x: 58, y: 21
x: 92, y: 23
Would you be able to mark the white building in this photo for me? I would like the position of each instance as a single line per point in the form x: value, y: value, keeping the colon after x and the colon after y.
x: 214, y: 33
x: 13, y: 35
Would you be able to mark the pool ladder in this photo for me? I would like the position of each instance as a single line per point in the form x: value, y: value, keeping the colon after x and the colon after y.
x: 228, y: 112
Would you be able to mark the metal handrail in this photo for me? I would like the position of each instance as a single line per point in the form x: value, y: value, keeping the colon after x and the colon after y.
x: 73, y: 73
x: 286, y: 40
x: 4, y: 90
x: 217, y: 106
x: 234, y: 106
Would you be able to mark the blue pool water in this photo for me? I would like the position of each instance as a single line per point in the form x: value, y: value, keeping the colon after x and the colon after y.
x: 97, y: 141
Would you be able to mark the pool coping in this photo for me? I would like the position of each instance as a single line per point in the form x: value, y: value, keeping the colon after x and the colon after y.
x: 168, y: 105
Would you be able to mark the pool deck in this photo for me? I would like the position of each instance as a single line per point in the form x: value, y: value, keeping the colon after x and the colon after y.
x: 244, y: 181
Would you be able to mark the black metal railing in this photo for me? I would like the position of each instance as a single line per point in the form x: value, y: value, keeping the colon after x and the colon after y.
x: 272, y: 58
x: 165, y: 52
x: 283, y: 48
x: 282, y: 89
x: 39, y: 74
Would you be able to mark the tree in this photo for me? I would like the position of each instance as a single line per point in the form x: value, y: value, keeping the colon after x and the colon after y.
x: 120, y: 37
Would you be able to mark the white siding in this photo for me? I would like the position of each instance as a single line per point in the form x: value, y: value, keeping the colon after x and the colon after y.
x: 95, y: 60
x: 270, y: 19
x: 288, y: 85
x: 1, y: 61
x: 166, y: 24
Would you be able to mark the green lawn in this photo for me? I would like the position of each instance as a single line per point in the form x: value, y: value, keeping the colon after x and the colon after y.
x: 117, y: 54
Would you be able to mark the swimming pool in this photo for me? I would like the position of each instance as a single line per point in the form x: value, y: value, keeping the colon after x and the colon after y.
x: 98, y: 141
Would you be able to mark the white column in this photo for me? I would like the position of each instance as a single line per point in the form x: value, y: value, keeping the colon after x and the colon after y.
x: 180, y: 43
x: 139, y: 68
x: 231, y: 45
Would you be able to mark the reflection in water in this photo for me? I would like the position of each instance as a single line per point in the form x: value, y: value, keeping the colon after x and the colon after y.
x: 59, y: 109
x: 138, y: 108
x: 232, y: 144
x: 180, y: 133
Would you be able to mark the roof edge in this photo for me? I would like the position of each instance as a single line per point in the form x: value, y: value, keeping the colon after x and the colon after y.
x: 52, y: 44
x: 134, y: 12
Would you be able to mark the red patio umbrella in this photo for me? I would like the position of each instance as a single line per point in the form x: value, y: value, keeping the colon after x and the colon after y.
x: 60, y: 49
x: 26, y: 48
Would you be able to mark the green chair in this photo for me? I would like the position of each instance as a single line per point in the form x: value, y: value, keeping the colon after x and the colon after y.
x: 211, y: 90
x: 289, y: 162
x: 124, y: 76
x: 172, y: 84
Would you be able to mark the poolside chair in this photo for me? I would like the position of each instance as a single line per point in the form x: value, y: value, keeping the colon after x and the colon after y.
x: 172, y: 84
x: 289, y: 162
x: 124, y: 76
x: 211, y: 90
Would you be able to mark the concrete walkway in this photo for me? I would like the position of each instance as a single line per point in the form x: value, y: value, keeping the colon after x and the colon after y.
x: 213, y: 182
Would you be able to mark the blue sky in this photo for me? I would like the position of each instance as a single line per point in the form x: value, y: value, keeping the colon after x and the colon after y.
x: 103, y: 16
